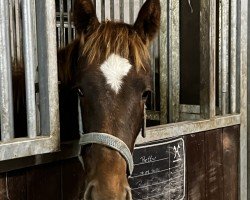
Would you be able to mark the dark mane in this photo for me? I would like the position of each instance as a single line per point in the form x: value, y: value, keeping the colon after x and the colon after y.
x: 114, y: 37
x: 67, y: 61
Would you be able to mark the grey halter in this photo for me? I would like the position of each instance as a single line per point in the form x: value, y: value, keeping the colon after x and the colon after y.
x: 112, y: 142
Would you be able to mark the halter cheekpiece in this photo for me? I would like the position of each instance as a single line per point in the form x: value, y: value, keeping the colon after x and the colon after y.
x: 111, y: 142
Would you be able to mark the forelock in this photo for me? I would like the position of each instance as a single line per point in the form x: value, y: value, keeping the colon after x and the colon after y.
x: 115, y: 38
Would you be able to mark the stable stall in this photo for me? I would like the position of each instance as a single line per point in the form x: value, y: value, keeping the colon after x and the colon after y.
x: 196, y: 139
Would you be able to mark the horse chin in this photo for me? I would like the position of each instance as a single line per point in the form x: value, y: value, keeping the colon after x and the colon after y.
x: 94, y: 192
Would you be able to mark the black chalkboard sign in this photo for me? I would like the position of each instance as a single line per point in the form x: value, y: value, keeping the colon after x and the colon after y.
x: 159, y: 172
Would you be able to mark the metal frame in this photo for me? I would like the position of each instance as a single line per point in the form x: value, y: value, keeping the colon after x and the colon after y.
x: 174, y: 61
x: 46, y: 140
x: 248, y: 108
x: 164, y: 62
x: 188, y: 127
x: 242, y: 62
x: 6, y: 101
x: 29, y: 38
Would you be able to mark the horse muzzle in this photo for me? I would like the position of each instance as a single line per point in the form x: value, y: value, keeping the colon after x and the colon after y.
x: 94, y: 191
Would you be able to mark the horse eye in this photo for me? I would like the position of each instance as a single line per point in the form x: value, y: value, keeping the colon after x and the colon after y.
x: 145, y: 95
x: 80, y: 92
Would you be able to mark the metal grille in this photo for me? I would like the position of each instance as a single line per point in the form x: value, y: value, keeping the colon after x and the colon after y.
x: 33, y: 56
x: 164, y: 104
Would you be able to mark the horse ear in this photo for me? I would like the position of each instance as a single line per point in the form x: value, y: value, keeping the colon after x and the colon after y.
x: 148, y: 21
x: 85, y: 18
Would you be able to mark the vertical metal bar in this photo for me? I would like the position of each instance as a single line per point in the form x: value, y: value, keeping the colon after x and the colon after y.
x: 51, y: 52
x: 98, y: 9
x: 121, y: 10
x: 220, y: 60
x: 244, y: 136
x: 42, y: 69
x: 208, y: 57
x: 62, y: 42
x: 112, y: 7
x: 48, y: 81
x: 30, y: 66
x: 58, y: 37
x: 212, y: 57
x: 33, y: 14
x: 126, y: 12
x: 248, y: 106
x: 64, y: 36
x: 238, y: 69
x: 136, y: 9
x: 19, y: 37
x: 131, y: 11
x: 233, y: 55
x: 73, y: 27
x: 153, y: 70
x: 107, y: 9
x: 117, y: 10
x: 12, y: 31
x: 34, y: 36
x: 164, y: 62
x: 103, y: 10
x: 225, y: 55
x: 69, y: 11
x: 43, y: 74
x: 141, y: 2
x: 174, y: 61
x: 6, y: 98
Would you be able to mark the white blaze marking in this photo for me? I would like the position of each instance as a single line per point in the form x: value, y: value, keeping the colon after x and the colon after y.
x: 114, y: 69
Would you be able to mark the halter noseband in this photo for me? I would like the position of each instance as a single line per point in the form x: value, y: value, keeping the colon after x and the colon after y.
x: 112, y: 142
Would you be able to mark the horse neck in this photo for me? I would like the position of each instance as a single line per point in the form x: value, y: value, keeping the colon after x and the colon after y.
x: 67, y: 62
x: 68, y: 99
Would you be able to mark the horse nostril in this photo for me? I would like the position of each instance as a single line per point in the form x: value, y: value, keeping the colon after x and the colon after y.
x: 88, y: 195
x: 128, y: 194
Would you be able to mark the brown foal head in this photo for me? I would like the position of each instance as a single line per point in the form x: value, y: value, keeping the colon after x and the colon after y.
x: 113, y: 77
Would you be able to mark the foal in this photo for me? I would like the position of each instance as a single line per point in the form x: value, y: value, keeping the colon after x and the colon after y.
x: 108, y: 65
